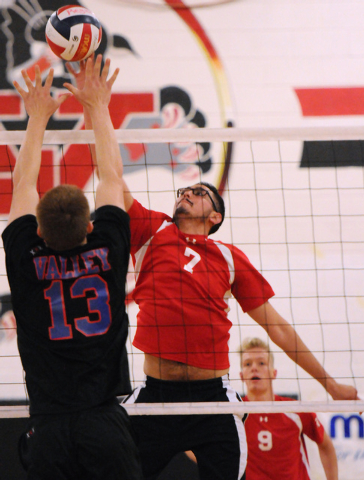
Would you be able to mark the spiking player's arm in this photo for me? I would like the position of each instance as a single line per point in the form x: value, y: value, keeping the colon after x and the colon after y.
x: 95, y: 97
x: 40, y: 106
x: 284, y: 335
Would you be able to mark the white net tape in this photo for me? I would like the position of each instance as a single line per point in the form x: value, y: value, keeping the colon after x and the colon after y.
x: 199, y: 134
x: 214, y: 408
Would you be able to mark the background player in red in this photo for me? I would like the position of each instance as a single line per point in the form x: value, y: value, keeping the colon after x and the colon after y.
x: 67, y: 280
x: 183, y: 282
x: 276, y: 444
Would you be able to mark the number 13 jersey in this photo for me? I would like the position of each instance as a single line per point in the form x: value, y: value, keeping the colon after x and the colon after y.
x: 70, y: 313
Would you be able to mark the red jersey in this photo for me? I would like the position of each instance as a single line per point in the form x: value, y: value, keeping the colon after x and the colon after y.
x: 276, y: 446
x: 183, y: 283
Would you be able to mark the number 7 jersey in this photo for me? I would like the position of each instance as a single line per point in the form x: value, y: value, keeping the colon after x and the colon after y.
x: 183, y: 284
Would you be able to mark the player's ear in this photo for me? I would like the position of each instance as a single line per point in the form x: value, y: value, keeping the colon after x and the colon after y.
x: 275, y: 371
x: 90, y: 227
x: 241, y: 376
x: 215, y: 217
x: 39, y: 233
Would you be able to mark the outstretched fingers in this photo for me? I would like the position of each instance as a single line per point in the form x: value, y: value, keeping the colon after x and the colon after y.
x: 27, y: 80
x: 71, y: 88
x: 95, y: 88
x: 38, y: 78
x: 37, y: 84
x: 97, y: 65
x: 89, y: 67
x: 63, y: 97
x: 70, y: 69
x: 82, y: 65
x: 113, y: 77
x: 19, y: 89
x: 38, y: 101
x: 105, y: 70
x: 49, y: 80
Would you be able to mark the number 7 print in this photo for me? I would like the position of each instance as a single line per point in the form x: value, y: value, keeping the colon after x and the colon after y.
x: 196, y: 258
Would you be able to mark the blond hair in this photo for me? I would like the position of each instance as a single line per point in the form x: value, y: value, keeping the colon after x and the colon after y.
x: 255, y: 342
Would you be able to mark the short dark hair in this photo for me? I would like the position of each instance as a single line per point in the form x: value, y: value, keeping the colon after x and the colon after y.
x: 63, y: 215
x: 220, y: 205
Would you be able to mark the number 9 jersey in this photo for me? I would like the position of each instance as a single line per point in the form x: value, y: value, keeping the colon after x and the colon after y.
x: 276, y: 445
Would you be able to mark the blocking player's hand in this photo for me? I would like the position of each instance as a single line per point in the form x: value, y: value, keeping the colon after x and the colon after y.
x: 79, y: 75
x: 38, y: 101
x: 96, y: 91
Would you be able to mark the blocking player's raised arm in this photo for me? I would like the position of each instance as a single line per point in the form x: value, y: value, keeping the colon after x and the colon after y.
x: 79, y: 77
x: 95, y: 97
x: 40, y: 106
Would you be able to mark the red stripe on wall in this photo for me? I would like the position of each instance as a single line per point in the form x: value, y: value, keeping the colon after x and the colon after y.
x: 10, y: 104
x: 317, y: 102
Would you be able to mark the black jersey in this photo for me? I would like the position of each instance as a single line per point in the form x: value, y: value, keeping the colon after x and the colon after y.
x: 70, y: 313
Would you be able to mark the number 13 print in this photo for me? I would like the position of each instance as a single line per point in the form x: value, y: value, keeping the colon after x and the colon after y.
x: 99, y: 304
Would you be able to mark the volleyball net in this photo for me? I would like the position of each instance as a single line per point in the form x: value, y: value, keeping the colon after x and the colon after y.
x: 294, y: 205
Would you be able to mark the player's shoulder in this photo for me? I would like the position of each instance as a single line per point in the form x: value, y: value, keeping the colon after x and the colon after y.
x: 235, y: 251
x: 304, y: 416
x: 20, y: 223
x: 108, y: 210
x: 139, y: 212
x: 110, y: 222
x: 223, y: 246
x: 110, y: 216
x: 20, y: 232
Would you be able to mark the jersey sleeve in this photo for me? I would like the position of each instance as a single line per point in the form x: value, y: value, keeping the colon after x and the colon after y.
x: 19, y: 236
x: 312, y: 427
x: 249, y: 287
x: 143, y: 224
x: 111, y: 224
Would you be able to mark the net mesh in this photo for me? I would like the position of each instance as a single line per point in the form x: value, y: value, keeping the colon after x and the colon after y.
x: 294, y: 205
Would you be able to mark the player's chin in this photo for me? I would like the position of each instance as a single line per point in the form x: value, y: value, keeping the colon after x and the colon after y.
x: 180, y: 210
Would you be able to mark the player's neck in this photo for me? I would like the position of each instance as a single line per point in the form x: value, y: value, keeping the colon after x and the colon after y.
x: 266, y: 396
x: 192, y: 226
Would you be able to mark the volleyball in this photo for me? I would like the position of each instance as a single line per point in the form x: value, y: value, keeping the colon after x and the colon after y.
x: 73, y: 33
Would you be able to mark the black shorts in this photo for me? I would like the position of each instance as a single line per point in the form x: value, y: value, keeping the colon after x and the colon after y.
x: 218, y: 441
x: 95, y: 444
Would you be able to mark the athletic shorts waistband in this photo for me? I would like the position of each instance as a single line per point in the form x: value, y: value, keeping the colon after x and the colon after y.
x: 218, y: 382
